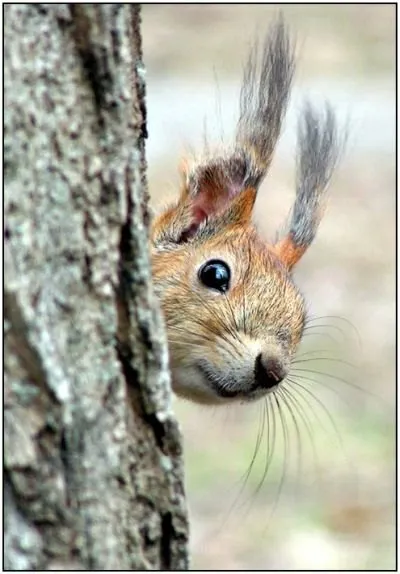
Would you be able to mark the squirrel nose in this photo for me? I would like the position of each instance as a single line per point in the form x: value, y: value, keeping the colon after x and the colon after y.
x: 268, y: 371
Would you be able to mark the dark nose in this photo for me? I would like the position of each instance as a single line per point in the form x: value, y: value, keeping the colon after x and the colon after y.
x: 268, y: 371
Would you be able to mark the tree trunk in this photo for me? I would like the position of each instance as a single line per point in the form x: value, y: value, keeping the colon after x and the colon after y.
x: 93, y: 464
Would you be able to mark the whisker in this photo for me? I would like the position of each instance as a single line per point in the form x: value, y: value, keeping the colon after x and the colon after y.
x: 308, y: 426
x: 331, y: 359
x: 202, y: 337
x: 335, y: 377
x: 323, y: 407
x: 338, y: 318
x: 285, y: 455
x: 260, y: 434
x: 313, y: 352
x: 325, y: 385
x: 331, y: 420
x: 244, y: 479
x: 235, y: 353
x: 284, y: 396
x: 324, y: 326
x: 250, y: 500
x: 319, y: 334
x: 271, y: 442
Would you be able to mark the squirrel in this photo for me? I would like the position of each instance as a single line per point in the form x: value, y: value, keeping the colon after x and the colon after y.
x: 234, y: 316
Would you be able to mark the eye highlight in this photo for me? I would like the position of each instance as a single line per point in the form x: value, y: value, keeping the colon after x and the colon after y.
x: 215, y: 274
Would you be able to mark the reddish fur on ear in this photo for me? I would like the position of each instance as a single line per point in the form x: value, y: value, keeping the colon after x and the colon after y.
x: 213, y: 204
x: 241, y: 209
x: 289, y: 252
x: 211, y: 187
x: 213, y: 192
x: 223, y: 205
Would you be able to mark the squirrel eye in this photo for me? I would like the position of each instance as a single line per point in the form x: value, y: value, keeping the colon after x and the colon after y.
x: 215, y: 274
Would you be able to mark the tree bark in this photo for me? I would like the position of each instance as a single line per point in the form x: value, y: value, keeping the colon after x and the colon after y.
x: 93, y: 460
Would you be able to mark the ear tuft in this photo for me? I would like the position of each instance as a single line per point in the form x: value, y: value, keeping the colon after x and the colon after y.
x: 320, y: 148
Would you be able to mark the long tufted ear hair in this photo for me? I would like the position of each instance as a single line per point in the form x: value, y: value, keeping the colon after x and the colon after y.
x: 319, y: 149
x: 228, y: 184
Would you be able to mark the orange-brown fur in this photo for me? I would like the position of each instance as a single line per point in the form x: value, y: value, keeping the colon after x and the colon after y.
x: 263, y: 307
x: 289, y: 252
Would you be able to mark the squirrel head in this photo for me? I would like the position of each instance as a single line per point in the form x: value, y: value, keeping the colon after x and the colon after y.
x: 233, y: 314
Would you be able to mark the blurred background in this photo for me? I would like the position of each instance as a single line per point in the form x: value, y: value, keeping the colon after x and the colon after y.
x: 328, y: 499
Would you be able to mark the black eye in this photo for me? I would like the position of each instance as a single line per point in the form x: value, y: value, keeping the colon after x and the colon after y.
x: 215, y: 274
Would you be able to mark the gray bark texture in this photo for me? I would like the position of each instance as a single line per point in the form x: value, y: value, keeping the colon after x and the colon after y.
x: 93, y: 460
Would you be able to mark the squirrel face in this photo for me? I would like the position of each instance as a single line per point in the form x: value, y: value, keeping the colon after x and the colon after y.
x: 234, y: 317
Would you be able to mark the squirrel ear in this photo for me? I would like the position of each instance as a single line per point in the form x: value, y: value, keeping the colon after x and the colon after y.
x: 320, y: 147
x: 213, y: 192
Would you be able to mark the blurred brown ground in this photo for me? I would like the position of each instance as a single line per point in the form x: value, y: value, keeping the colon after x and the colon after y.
x: 335, y: 509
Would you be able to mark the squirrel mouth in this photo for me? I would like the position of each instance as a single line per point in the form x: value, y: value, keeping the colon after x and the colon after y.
x: 216, y: 383
x: 221, y: 387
